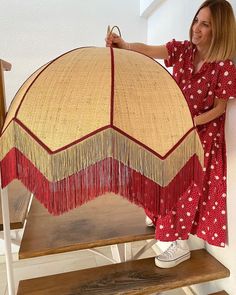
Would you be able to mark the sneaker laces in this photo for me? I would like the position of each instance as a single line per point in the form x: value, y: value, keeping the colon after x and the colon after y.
x: 170, y: 251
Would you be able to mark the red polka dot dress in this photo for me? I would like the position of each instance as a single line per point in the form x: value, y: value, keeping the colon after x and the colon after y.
x: 201, y: 211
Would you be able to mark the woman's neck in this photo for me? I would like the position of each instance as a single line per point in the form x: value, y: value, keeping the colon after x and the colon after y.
x: 201, y: 53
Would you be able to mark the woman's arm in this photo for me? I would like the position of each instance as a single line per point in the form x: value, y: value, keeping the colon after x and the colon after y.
x: 218, y: 110
x: 159, y: 52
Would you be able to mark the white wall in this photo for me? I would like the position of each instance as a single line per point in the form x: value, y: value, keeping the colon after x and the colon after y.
x: 35, y: 31
x: 172, y: 20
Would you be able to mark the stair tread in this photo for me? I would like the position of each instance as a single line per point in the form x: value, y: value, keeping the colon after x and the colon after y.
x: 219, y: 293
x: 133, y: 277
x: 107, y: 220
x: 19, y: 198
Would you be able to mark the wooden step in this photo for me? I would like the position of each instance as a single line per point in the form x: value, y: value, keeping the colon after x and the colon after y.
x: 133, y: 277
x: 19, y: 198
x: 107, y: 220
x: 219, y: 293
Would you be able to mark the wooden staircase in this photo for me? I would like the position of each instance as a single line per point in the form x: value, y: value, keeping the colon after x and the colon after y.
x: 133, y: 277
x: 107, y: 220
x: 219, y: 293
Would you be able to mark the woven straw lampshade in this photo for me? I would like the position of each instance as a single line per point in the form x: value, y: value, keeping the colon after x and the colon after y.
x: 98, y: 120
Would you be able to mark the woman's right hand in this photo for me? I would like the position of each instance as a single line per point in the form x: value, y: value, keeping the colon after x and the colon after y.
x: 113, y: 40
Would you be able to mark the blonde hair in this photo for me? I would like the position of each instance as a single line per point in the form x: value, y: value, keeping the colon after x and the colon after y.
x: 223, y: 43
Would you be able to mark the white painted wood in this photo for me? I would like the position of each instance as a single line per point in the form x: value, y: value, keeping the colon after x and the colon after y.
x: 188, y: 291
x: 115, y: 250
x: 144, y: 248
x: 99, y: 253
x: 128, y: 251
x: 7, y: 240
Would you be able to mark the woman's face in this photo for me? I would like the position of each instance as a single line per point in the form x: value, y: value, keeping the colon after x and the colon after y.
x: 202, y: 29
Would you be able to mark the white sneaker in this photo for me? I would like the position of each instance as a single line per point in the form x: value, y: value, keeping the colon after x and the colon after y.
x: 176, y: 253
x: 148, y: 221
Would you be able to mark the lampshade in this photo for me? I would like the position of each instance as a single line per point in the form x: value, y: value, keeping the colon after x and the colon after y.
x: 97, y: 120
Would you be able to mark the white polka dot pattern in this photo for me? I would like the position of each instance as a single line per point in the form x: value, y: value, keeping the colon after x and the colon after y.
x: 201, y: 211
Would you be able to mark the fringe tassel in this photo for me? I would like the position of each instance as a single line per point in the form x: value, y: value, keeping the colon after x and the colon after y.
x: 102, y: 145
x: 108, y: 175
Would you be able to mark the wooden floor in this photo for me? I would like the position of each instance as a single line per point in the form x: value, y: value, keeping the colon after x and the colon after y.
x: 133, y: 277
x: 19, y: 199
x: 107, y: 220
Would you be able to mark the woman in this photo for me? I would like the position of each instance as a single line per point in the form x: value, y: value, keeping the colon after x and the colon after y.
x: 203, y: 69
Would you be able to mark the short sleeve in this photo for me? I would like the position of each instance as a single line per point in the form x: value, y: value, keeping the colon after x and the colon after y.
x: 226, y: 84
x: 175, y: 49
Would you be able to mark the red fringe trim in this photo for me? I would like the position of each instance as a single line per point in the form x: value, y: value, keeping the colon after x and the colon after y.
x: 108, y: 175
